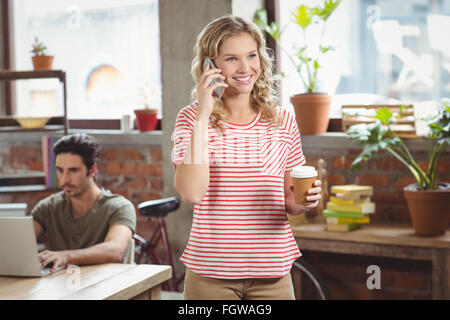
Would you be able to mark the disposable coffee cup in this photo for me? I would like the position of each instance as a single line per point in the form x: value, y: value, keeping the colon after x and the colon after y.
x: 303, y: 178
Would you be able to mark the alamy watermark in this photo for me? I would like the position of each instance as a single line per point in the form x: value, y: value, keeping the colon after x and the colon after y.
x: 74, y: 18
x: 73, y: 281
x: 229, y: 148
x: 374, y: 13
x: 374, y: 280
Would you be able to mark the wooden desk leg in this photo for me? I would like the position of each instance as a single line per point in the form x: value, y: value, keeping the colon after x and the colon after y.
x: 151, y: 294
x: 441, y: 274
x: 155, y: 293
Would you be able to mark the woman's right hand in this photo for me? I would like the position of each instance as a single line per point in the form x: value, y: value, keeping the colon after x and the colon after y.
x: 205, y: 91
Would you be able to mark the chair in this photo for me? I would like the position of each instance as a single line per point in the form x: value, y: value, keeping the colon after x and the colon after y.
x: 156, y: 210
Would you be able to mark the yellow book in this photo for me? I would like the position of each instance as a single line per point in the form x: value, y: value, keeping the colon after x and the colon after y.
x: 342, y: 196
x: 338, y: 220
x: 352, y: 189
x: 350, y: 202
x: 342, y: 227
x: 342, y: 214
x: 368, y: 207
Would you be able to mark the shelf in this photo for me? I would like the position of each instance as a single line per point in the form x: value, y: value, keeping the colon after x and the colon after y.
x: 29, y: 188
x: 9, y: 124
x: 22, y: 179
x: 23, y: 75
x: 45, y: 128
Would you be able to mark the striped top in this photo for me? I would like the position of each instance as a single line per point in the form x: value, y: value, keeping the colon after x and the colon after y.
x: 240, y: 228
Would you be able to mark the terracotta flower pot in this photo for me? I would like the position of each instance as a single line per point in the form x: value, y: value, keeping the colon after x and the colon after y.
x: 42, y: 62
x: 312, y: 112
x: 146, y: 119
x: 429, y: 209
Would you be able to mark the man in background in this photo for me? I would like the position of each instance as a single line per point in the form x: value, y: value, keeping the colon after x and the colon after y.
x: 84, y: 224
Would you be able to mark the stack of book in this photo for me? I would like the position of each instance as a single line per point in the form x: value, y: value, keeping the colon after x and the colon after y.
x: 349, y: 207
x: 48, y: 161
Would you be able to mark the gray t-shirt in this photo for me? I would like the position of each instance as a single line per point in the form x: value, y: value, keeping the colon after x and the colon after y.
x: 54, y: 214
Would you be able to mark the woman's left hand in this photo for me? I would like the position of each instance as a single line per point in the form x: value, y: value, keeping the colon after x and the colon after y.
x: 314, y: 196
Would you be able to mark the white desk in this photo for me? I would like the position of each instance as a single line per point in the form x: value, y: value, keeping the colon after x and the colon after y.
x: 97, y: 282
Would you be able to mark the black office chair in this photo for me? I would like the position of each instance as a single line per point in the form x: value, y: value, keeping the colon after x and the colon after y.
x: 156, y: 210
x: 159, y: 208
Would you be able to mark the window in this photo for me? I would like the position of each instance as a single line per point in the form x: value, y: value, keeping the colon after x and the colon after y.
x: 396, y: 49
x: 108, y: 48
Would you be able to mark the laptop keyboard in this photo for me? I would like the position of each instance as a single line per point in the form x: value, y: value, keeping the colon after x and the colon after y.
x: 46, y: 271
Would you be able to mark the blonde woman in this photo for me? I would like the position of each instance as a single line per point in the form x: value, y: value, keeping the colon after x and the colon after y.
x: 232, y: 158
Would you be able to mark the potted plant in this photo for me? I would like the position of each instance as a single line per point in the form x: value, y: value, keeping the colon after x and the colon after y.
x: 41, y: 61
x: 146, y: 118
x: 311, y: 108
x: 428, y: 200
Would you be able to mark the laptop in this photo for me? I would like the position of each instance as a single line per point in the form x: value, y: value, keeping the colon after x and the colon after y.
x: 18, y: 248
x: 13, y: 209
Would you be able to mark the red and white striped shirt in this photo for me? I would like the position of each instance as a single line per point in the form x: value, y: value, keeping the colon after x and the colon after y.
x: 240, y: 228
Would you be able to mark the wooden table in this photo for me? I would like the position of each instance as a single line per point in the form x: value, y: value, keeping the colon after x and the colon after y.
x: 97, y: 282
x: 384, y: 240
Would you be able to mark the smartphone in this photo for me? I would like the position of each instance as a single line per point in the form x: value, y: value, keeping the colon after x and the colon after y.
x: 217, y: 91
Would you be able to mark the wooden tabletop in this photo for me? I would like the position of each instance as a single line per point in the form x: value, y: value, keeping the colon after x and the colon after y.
x: 374, y: 233
x: 97, y: 282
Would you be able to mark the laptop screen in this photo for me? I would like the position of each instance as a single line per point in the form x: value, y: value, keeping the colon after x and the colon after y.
x: 13, y: 209
x: 18, y: 248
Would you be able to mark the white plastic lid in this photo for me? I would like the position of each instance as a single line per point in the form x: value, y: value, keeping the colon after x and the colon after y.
x: 304, y: 172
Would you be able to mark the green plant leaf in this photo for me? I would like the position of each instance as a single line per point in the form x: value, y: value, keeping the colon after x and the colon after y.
x: 303, y: 16
x: 402, y: 109
x: 372, y: 137
x: 260, y: 19
x: 439, y: 125
x: 365, y: 155
x: 384, y: 115
x: 325, y: 49
x: 38, y: 48
x: 316, y: 65
x: 360, y: 133
x: 274, y: 31
x: 329, y: 7
x: 301, y: 55
x: 278, y: 76
x: 357, y: 162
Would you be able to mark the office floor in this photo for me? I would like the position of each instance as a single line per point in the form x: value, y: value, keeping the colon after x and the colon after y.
x: 169, y: 295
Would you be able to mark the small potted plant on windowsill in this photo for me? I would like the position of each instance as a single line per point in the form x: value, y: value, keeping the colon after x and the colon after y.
x: 146, y: 118
x: 428, y: 200
x: 41, y: 61
x: 311, y: 108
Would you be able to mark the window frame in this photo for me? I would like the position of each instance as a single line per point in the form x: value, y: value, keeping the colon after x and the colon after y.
x: 6, y: 26
x: 273, y: 10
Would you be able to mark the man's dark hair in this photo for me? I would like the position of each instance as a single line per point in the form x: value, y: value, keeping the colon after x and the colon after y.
x: 80, y: 144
